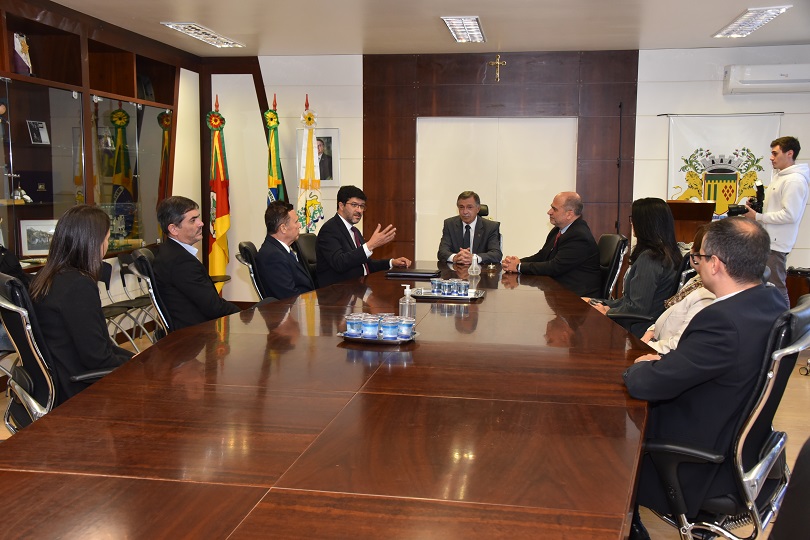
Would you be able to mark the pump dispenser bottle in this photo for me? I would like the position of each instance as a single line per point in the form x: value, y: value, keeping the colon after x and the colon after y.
x: 407, y: 305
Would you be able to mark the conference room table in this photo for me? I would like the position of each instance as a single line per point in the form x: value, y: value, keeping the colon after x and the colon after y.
x: 506, y: 417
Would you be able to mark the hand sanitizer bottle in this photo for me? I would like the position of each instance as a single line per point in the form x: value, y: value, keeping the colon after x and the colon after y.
x: 407, y: 305
x: 475, y: 268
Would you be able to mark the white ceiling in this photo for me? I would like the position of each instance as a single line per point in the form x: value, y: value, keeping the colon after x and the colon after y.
x: 287, y: 27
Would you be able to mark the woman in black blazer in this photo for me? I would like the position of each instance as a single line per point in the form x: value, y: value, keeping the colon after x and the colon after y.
x: 67, y: 302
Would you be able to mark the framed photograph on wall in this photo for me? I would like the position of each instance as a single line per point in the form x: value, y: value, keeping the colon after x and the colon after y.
x: 36, y: 236
x: 326, y: 146
x: 38, y: 132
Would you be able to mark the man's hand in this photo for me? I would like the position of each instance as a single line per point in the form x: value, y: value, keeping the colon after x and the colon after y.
x: 401, y: 261
x: 381, y: 237
x: 464, y: 256
x: 647, y: 358
x: 751, y: 214
x: 648, y: 335
x: 510, y: 263
x: 509, y: 281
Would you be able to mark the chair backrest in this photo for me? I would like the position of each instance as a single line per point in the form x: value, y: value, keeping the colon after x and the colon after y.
x: 142, y: 267
x: 758, y: 449
x: 247, y: 256
x: 306, y: 248
x: 685, y: 272
x: 33, y: 381
x: 125, y: 261
x: 483, y: 210
x: 612, y: 248
x: 105, y: 277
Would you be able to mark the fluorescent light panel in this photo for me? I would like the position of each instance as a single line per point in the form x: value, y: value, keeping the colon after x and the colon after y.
x: 751, y: 20
x: 202, y: 33
x: 465, y: 29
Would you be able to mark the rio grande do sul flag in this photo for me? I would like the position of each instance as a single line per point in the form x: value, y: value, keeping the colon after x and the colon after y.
x: 220, y: 220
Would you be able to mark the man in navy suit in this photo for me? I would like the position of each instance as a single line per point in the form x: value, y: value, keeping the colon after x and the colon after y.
x: 279, y: 268
x: 341, y: 250
x: 698, y: 391
x: 465, y: 236
x: 570, y: 254
x: 182, y: 281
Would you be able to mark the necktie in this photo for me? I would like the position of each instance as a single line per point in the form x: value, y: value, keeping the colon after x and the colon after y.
x: 465, y: 242
x: 555, y: 239
x: 358, y: 240
x: 294, y: 255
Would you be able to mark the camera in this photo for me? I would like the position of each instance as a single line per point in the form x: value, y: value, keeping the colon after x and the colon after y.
x: 737, y: 210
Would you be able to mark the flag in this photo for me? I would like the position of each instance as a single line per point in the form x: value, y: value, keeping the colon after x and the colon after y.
x: 78, y: 166
x: 220, y: 219
x: 275, y: 176
x: 22, y: 58
x: 310, y: 210
x: 719, y: 157
x: 164, y: 120
x: 123, y: 197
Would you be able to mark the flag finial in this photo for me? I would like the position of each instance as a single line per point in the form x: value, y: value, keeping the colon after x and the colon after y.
x: 216, y: 103
x: 274, y: 102
x: 306, y: 103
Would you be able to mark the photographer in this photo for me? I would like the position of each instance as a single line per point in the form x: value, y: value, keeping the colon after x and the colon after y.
x: 784, y: 204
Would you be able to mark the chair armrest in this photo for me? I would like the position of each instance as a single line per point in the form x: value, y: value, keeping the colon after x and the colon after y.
x: 91, y: 375
x: 667, y: 457
x: 630, y: 317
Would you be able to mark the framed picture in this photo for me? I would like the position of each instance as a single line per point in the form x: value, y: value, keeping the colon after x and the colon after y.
x: 326, y: 145
x: 38, y: 132
x: 36, y: 235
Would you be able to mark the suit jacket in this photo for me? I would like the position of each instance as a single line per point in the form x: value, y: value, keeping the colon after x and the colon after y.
x: 486, y: 240
x: 186, y: 289
x: 338, y: 257
x: 325, y: 167
x: 698, y: 392
x: 573, y: 262
x: 75, y: 331
x: 279, y: 272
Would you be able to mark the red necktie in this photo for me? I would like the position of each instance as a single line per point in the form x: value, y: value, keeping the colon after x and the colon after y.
x: 359, y: 241
x: 559, y: 233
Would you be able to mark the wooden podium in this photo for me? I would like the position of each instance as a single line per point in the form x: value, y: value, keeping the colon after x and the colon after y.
x: 690, y: 215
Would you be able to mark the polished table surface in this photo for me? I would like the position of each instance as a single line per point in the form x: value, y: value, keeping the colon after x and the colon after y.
x: 505, y: 418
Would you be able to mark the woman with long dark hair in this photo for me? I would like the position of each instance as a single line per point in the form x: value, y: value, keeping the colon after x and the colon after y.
x: 67, y: 302
x: 654, y: 264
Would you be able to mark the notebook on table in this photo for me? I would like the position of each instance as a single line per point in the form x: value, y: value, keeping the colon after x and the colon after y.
x: 412, y: 273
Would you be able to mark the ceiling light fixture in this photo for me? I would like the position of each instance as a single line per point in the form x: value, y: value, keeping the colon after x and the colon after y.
x: 465, y: 29
x: 750, y: 20
x: 202, y: 33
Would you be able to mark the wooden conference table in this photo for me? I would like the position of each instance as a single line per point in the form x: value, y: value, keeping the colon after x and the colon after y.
x: 506, y: 418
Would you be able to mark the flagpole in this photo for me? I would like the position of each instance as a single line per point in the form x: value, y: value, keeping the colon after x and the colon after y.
x: 619, y: 174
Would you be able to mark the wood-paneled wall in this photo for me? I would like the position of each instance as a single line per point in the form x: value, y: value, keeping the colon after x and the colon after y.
x: 397, y: 89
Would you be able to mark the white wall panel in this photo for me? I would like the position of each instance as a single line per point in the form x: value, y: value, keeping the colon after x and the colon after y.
x: 515, y: 165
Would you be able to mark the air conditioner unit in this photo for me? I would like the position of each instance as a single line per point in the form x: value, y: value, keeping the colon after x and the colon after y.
x: 766, y: 79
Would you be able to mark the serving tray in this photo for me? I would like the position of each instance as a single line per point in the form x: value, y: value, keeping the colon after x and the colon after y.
x: 426, y: 294
x: 379, y: 340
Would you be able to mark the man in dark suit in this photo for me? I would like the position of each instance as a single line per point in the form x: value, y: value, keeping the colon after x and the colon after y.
x: 324, y: 162
x: 570, y: 254
x: 182, y: 281
x: 466, y: 236
x: 698, y: 391
x: 279, y: 268
x: 341, y: 251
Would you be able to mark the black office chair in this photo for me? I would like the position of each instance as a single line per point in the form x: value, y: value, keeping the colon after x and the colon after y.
x: 117, y: 313
x: 306, y: 249
x: 793, y: 520
x: 135, y: 290
x: 758, y: 451
x: 612, y: 248
x: 142, y: 267
x: 247, y: 256
x: 32, y: 381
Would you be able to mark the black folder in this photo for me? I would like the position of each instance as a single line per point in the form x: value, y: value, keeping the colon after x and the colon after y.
x: 412, y: 273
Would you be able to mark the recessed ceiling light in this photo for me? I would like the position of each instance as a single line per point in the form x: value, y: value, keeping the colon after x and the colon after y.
x: 751, y: 20
x: 465, y: 29
x: 202, y: 33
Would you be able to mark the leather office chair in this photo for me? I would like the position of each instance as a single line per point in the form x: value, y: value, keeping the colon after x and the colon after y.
x: 612, y: 248
x: 137, y: 295
x: 306, y: 248
x: 247, y: 256
x: 758, y: 452
x: 32, y: 379
x: 793, y: 520
x: 142, y: 267
x: 116, y: 313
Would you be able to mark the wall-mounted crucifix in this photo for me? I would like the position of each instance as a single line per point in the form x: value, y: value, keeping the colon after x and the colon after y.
x: 497, y: 63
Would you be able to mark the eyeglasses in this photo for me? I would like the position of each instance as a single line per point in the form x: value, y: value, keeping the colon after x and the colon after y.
x: 357, y: 205
x: 697, y: 256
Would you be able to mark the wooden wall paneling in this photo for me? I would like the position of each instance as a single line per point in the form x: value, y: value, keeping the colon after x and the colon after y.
x: 520, y: 68
x: 598, y: 137
x: 596, y: 180
x: 601, y: 218
x: 388, y: 101
x: 390, y: 179
x: 390, y: 137
x: 609, y: 66
x: 603, y: 99
x: 499, y: 101
x: 389, y: 69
